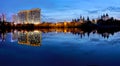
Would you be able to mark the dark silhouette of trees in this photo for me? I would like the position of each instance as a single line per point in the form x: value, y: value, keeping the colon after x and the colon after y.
x: 88, y: 19
x: 107, y: 15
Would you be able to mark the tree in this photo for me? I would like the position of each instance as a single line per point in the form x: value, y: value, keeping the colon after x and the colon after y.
x: 112, y: 18
x: 80, y: 17
x: 72, y: 20
x: 88, y: 19
x: 107, y: 15
x: 78, y: 20
x: 75, y: 20
x: 83, y: 19
x: 0, y: 19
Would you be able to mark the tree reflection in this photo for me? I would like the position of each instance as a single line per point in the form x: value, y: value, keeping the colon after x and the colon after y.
x: 33, y: 37
x: 3, y: 35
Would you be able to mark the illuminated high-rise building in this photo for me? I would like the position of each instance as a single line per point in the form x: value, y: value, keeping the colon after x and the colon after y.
x: 30, y: 16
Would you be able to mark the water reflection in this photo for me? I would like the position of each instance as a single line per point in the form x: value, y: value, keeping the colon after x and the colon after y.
x: 2, y: 35
x: 34, y: 37
x: 60, y: 47
x: 14, y: 35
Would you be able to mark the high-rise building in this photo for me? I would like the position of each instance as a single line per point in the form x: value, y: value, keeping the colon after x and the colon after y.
x: 30, y: 16
x: 3, y: 17
x: 15, y: 18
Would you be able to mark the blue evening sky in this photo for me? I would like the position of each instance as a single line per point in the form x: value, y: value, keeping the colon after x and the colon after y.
x: 62, y: 10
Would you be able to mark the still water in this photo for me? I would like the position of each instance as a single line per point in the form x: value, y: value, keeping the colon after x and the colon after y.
x: 59, y: 48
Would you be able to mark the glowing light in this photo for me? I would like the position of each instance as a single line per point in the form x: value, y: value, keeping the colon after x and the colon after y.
x: 37, y: 23
x: 36, y: 31
x: 15, y: 31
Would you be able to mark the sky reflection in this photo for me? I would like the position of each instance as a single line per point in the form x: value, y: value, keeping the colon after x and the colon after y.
x: 61, y: 48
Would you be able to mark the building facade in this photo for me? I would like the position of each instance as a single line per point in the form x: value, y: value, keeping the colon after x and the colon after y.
x: 15, y: 18
x: 30, y: 16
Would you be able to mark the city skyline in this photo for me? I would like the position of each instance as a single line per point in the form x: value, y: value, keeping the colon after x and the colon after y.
x: 60, y: 10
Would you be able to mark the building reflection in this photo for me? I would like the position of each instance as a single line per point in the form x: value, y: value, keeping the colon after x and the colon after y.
x: 32, y: 38
x: 14, y: 36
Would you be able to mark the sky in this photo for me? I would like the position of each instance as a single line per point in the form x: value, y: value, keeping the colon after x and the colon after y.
x: 62, y: 10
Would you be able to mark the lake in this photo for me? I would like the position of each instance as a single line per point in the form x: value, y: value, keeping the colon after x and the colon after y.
x: 59, y: 48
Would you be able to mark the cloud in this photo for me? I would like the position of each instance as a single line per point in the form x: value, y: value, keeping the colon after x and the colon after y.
x: 47, y: 18
x: 113, y: 9
x: 104, y: 10
x: 92, y: 11
x: 60, y: 10
x: 64, y: 15
x: 69, y: 14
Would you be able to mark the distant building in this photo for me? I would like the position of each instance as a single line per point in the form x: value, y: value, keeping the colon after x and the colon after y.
x: 15, y: 18
x: 81, y: 19
x: 30, y: 16
x: 3, y: 17
x: 105, y: 17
